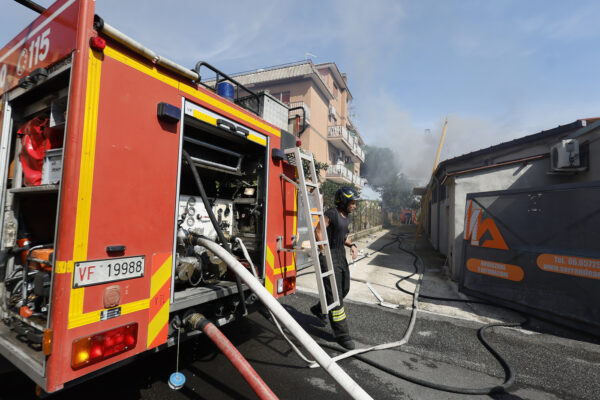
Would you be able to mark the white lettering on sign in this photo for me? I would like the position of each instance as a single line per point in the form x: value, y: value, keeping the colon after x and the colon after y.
x: 38, y: 48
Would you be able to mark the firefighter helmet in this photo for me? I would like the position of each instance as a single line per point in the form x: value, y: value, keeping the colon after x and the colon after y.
x: 343, y: 197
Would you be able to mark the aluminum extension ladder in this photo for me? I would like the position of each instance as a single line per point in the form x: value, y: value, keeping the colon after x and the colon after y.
x: 296, y: 157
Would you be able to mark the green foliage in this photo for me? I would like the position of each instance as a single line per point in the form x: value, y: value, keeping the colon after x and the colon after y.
x: 382, y: 170
x: 380, y: 167
x: 319, y: 166
x: 366, y: 215
x: 397, y: 194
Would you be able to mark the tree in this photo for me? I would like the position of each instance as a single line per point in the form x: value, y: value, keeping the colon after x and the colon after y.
x: 319, y: 166
x: 382, y: 171
x: 380, y: 167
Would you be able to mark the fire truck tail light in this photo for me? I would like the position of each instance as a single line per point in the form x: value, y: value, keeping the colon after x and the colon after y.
x: 289, y: 283
x: 97, y: 43
x: 286, y: 284
x: 100, y: 346
x: 298, y: 142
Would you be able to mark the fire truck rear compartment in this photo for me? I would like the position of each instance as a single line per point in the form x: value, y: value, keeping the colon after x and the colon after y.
x: 29, y: 220
x: 232, y: 170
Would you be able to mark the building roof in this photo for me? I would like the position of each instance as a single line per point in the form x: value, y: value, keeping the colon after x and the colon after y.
x: 559, y: 130
x: 298, y: 70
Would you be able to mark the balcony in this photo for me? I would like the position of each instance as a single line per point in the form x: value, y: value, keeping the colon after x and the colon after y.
x: 358, y: 181
x: 340, y: 174
x: 340, y: 135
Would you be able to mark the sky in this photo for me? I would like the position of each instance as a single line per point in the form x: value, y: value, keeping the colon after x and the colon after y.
x: 498, y: 69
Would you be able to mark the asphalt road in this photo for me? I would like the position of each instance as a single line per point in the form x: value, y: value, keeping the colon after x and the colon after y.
x: 442, y: 349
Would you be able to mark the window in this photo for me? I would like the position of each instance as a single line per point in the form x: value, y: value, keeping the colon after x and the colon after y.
x: 335, y: 91
x: 283, y: 97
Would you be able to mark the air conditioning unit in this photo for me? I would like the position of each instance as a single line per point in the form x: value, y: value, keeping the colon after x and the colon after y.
x: 564, y: 156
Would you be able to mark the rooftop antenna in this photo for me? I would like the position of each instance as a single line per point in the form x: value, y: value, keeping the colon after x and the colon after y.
x: 308, y: 55
x: 32, y: 5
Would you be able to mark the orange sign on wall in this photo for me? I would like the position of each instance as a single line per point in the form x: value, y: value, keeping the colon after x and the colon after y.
x: 577, y: 266
x: 475, y: 228
x: 495, y: 269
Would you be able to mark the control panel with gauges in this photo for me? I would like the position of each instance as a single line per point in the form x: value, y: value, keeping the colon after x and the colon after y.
x: 193, y: 216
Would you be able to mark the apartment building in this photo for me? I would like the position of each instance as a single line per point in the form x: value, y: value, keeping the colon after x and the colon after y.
x: 323, y: 93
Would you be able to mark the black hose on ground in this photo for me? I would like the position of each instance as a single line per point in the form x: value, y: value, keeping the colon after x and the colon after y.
x: 509, y: 374
x: 213, y: 220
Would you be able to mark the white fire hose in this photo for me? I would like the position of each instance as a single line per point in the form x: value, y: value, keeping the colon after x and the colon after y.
x: 320, y: 356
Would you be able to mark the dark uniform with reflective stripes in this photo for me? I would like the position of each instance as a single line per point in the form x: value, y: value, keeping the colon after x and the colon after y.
x: 337, y: 231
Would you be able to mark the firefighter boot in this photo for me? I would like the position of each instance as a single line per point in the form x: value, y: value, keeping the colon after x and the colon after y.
x: 316, y: 311
x: 339, y: 324
x: 347, y: 343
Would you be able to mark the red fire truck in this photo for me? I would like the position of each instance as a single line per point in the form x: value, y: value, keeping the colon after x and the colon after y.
x: 97, y: 197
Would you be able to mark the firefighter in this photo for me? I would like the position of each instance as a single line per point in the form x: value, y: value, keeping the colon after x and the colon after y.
x: 337, y: 220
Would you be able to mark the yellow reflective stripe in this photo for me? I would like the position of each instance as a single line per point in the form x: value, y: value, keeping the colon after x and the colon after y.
x: 294, y: 225
x: 140, y: 66
x: 160, y: 277
x: 281, y: 270
x: 270, y: 257
x: 88, y: 150
x: 135, y: 306
x: 63, y: 267
x: 271, y: 260
x: 84, y: 319
x: 158, y: 322
x: 268, y: 285
x: 94, y: 316
x: 84, y: 194
x: 60, y: 267
x: 338, y: 315
x: 257, y: 139
x: 75, y: 305
x: 337, y: 312
x: 203, y: 117
x: 155, y: 73
x: 228, y: 109
x: 294, y: 218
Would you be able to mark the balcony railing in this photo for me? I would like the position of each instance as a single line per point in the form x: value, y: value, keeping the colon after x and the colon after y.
x: 340, y: 131
x: 358, y: 181
x: 340, y: 171
x: 359, y: 153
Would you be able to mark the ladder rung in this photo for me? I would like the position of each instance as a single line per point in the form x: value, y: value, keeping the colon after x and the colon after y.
x: 311, y: 184
x: 316, y: 213
x: 322, y: 243
x: 326, y: 273
x: 332, y: 305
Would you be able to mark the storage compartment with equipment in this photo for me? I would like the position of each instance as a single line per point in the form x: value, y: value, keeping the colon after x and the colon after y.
x: 31, y: 167
x: 231, y: 162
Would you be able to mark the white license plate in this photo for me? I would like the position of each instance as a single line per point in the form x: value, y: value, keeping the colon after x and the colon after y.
x: 88, y: 273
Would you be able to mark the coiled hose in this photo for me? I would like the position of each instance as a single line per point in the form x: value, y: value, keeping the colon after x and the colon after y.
x: 481, y: 334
